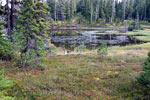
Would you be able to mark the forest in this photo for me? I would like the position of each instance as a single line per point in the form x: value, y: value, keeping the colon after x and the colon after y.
x: 74, y: 49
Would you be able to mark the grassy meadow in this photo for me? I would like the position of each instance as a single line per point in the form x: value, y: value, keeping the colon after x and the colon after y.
x: 81, y: 76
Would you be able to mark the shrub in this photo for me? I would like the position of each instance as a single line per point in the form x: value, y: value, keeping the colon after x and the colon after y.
x: 5, y: 45
x: 5, y: 86
x: 132, y: 26
x: 144, y: 78
x: 81, y: 48
x: 102, y: 50
x: 53, y: 50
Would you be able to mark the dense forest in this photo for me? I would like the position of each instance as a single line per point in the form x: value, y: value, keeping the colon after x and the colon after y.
x: 74, y: 49
x: 96, y: 11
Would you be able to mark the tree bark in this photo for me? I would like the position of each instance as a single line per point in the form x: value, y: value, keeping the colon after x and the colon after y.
x: 113, y: 11
x: 8, y: 19
x: 137, y: 21
x: 12, y: 14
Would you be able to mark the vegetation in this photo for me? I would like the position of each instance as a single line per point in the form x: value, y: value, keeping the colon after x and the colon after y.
x: 32, y: 69
x: 5, y: 86
x: 81, y: 48
x: 99, y: 11
x: 102, y: 50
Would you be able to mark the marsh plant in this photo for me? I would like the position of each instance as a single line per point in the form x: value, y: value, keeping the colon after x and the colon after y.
x: 102, y: 50
x: 81, y: 48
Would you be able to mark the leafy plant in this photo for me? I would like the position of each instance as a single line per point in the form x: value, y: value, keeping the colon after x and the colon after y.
x: 32, y: 27
x: 132, y: 26
x: 6, y: 47
x: 102, y: 50
x: 5, y: 86
x: 53, y: 50
x: 81, y: 48
x: 144, y: 78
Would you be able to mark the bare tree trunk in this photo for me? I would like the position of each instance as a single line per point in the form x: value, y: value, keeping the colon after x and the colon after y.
x: 8, y: 19
x: 113, y: 11
x: 145, y: 13
x: 55, y: 12
x: 137, y: 21
x: 12, y: 14
x: 124, y: 11
x: 91, y: 11
x: 96, y: 16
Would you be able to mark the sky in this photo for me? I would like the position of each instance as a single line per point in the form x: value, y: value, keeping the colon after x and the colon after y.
x: 3, y: 1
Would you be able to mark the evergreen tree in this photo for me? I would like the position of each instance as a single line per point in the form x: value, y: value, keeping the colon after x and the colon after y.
x: 5, y: 44
x: 144, y: 78
x: 31, y: 28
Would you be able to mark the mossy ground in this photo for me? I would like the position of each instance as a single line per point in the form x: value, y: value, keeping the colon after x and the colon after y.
x: 82, y: 77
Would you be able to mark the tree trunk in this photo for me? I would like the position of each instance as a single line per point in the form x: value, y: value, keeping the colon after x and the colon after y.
x: 96, y: 16
x: 8, y: 20
x: 124, y: 11
x: 113, y: 11
x: 12, y: 14
x: 55, y: 12
x: 91, y: 11
x: 137, y: 21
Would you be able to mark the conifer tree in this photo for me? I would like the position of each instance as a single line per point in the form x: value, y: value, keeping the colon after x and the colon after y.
x: 144, y: 78
x: 5, y: 44
x: 31, y: 29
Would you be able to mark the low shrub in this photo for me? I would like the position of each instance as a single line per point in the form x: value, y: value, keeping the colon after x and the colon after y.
x: 81, y: 48
x: 5, y: 87
x: 102, y: 50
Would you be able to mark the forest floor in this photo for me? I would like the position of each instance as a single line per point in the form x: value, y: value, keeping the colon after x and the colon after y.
x: 82, y: 77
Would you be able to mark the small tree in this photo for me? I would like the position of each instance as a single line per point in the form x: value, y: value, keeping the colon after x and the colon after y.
x: 31, y: 29
x: 5, y: 45
x: 144, y: 78
x: 81, y: 48
x: 102, y: 50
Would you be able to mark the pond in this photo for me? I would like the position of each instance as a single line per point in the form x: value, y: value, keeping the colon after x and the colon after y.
x: 91, y: 38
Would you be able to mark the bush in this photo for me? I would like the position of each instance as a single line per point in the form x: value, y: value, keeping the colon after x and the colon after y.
x: 53, y: 50
x: 5, y: 45
x: 5, y: 86
x: 81, y: 48
x: 144, y: 78
x: 102, y: 50
x: 132, y: 26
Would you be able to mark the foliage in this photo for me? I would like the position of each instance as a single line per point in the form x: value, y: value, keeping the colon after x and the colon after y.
x: 53, y: 50
x: 144, y: 78
x: 5, y: 86
x: 102, y: 50
x: 81, y: 48
x: 90, y: 11
x: 32, y: 28
x: 132, y: 26
x: 6, y: 47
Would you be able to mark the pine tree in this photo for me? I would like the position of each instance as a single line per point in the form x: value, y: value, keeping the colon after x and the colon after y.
x: 5, y: 44
x: 144, y: 78
x: 31, y: 28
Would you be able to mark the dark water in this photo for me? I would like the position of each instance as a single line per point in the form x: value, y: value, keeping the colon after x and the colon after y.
x: 73, y: 38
